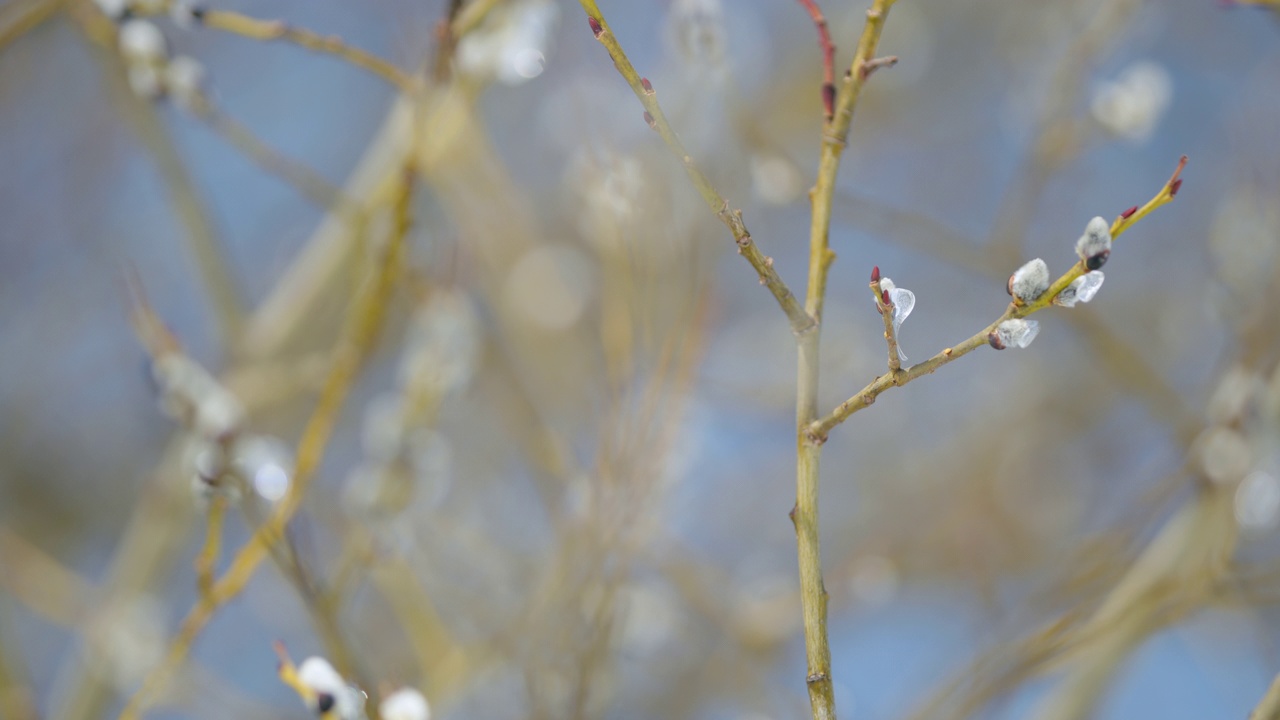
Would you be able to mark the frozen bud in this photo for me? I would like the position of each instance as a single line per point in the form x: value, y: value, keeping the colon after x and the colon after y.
x: 142, y: 41
x: 184, y: 78
x: 1094, y: 246
x: 326, y: 693
x: 405, y: 704
x: 1029, y: 281
x: 1015, y: 333
x: 903, y: 301
x: 114, y: 9
x: 1082, y: 289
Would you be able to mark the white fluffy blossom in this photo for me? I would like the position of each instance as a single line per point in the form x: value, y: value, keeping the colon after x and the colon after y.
x: 1094, y: 246
x: 405, y: 704
x: 904, y: 301
x: 1131, y: 105
x: 142, y: 41
x: 1017, y: 333
x: 1082, y: 289
x: 328, y: 694
x: 1029, y: 281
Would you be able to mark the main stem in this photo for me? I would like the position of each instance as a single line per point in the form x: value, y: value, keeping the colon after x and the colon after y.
x: 813, y: 594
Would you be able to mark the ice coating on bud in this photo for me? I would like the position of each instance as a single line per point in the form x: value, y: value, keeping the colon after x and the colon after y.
x: 904, y: 301
x: 1095, y: 243
x: 1030, y: 281
x: 1082, y: 289
x: 405, y: 704
x: 1016, y: 333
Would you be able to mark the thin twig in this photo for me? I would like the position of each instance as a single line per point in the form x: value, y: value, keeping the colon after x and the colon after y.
x: 21, y: 17
x: 362, y: 327
x: 804, y: 515
x: 819, y: 429
x: 828, y: 57
x: 801, y: 322
x: 447, y: 41
x: 884, y: 305
x: 307, y: 181
x: 207, y: 559
x: 202, y: 239
x: 257, y: 29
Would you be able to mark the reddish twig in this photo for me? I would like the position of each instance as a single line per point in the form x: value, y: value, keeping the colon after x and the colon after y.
x: 828, y: 57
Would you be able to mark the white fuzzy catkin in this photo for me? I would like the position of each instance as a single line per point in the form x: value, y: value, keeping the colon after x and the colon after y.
x: 405, y: 704
x: 318, y: 675
x: 142, y: 41
x: 1082, y: 289
x: 1095, y: 242
x: 1030, y: 281
x: 1015, y: 333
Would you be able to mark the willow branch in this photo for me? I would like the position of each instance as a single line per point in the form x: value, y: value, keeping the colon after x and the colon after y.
x: 362, y: 326
x: 801, y: 322
x: 820, y: 428
x: 804, y: 516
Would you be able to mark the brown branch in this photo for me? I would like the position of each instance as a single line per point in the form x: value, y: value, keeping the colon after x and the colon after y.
x: 828, y: 57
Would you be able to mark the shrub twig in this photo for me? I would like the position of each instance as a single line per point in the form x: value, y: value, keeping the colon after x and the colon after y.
x: 867, y: 395
x: 801, y: 322
x: 362, y: 326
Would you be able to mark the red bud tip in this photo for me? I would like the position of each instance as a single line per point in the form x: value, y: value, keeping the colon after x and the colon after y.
x: 875, y: 274
x: 648, y: 86
x: 1128, y: 213
x: 595, y: 26
x: 1174, y: 187
x: 650, y: 121
x: 829, y: 100
x: 884, y: 298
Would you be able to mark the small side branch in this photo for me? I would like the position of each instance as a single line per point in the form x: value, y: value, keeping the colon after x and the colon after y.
x: 256, y: 29
x: 362, y: 325
x: 828, y: 57
x: 820, y: 428
x: 884, y: 304
x: 801, y: 322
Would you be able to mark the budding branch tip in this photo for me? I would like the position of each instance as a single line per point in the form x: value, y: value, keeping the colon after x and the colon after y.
x: 875, y: 274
